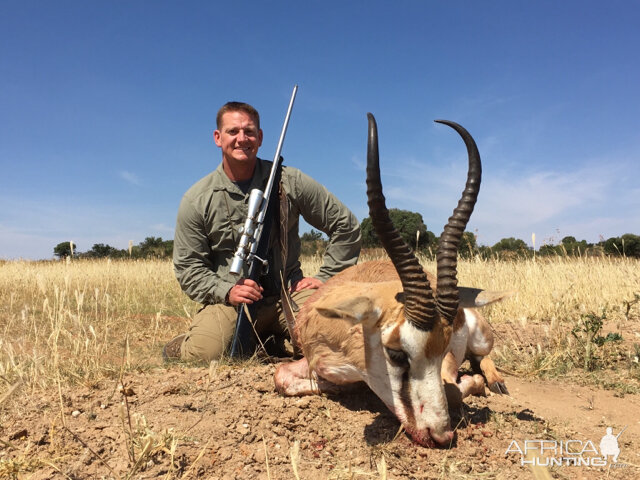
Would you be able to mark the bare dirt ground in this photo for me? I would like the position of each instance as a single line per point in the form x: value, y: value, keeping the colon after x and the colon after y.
x: 227, y: 422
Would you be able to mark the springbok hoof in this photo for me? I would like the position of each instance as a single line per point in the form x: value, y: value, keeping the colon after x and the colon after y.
x: 499, y: 387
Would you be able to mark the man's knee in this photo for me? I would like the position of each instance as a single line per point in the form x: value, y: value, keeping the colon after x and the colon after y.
x: 298, y: 299
x: 302, y: 296
x: 210, y: 333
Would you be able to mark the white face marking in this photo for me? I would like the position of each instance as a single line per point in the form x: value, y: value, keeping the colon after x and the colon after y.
x: 416, y: 394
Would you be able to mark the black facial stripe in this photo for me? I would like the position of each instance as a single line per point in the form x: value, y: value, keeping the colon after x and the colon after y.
x: 405, y: 398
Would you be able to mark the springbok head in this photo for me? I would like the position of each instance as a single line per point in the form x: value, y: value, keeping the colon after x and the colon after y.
x: 408, y: 373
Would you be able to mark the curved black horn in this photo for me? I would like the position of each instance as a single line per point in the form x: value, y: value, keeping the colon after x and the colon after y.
x: 447, y: 257
x: 419, y: 306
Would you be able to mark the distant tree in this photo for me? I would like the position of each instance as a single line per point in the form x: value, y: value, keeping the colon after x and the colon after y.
x: 407, y: 223
x: 369, y: 237
x: 468, y: 245
x: 312, y: 243
x: 574, y: 247
x: 549, y: 250
x: 100, y: 250
x: 571, y: 247
x: 153, y: 247
x: 168, y: 248
x: 613, y: 246
x: 627, y: 245
x: 63, y: 249
x: 429, y: 241
x: 511, y: 247
x: 631, y: 245
x: 311, y: 236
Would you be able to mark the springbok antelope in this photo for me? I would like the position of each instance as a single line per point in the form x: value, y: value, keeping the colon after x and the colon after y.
x: 396, y: 327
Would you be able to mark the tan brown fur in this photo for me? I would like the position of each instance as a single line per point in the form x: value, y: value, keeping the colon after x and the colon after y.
x: 346, y: 333
x: 438, y: 340
x: 375, y: 284
x: 354, y: 329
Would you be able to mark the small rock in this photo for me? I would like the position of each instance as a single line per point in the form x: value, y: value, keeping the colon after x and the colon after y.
x: 263, y: 387
x: 243, y: 428
x: 423, y: 452
x: 259, y: 455
x: 225, y: 454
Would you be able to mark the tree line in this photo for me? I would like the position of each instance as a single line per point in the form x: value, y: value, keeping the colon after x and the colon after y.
x: 150, y: 247
x: 413, y: 230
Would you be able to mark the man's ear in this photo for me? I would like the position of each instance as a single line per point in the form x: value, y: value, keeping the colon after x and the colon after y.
x: 260, y: 137
x: 216, y: 137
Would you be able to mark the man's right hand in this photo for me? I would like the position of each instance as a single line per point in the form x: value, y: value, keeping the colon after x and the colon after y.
x: 245, y: 291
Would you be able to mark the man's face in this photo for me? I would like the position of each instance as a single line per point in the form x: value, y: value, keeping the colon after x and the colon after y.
x: 239, y: 138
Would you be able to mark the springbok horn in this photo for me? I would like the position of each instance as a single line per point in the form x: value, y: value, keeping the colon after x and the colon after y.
x: 420, y: 305
x: 447, y: 257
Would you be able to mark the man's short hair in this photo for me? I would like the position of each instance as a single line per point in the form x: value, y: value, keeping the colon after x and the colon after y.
x: 238, y: 107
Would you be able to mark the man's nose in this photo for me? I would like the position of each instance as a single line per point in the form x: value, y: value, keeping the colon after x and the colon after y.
x: 242, y: 137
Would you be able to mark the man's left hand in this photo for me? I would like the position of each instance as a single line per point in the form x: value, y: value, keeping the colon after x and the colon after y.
x: 305, y: 283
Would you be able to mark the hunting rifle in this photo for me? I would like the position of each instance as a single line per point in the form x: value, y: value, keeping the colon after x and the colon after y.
x: 254, y: 244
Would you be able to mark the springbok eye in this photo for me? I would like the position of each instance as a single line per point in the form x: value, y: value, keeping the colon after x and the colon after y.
x: 398, y: 357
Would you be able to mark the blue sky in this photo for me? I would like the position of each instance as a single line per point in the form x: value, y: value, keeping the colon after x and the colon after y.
x: 107, y: 110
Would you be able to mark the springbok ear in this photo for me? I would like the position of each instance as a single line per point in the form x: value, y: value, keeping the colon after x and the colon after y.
x: 355, y: 308
x: 475, y: 297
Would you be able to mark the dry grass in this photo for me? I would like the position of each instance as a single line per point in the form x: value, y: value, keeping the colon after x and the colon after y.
x: 80, y: 321
x: 568, y: 316
x: 64, y: 323
x: 554, y: 289
x: 76, y: 321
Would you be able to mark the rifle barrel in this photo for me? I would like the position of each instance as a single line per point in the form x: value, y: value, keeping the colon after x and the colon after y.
x: 276, y: 157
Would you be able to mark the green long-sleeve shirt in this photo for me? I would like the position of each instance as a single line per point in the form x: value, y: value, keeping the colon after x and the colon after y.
x: 213, y: 210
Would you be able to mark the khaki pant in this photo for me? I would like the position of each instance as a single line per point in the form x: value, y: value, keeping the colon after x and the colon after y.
x: 212, y: 329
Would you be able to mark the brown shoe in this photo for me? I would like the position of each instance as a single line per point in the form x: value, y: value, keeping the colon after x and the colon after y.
x: 171, y: 351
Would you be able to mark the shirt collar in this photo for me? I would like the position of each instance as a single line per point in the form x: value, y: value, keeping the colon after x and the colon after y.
x: 259, y: 179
